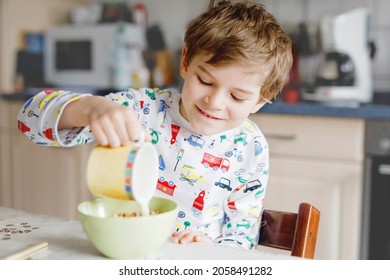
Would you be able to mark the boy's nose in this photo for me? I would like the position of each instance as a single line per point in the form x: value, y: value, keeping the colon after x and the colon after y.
x: 216, y: 99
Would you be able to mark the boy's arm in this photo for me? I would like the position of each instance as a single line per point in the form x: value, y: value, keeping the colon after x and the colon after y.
x: 61, y: 118
x: 76, y: 113
x: 38, y: 119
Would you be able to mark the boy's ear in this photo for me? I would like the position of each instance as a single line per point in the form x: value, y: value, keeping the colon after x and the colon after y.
x: 183, y: 63
x: 257, y: 107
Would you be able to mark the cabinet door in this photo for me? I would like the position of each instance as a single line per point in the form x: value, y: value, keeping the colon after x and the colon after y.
x: 5, y: 158
x: 331, y: 186
x: 48, y: 180
x: 5, y: 170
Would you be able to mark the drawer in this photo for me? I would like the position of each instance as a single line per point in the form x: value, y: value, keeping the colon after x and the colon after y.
x: 311, y: 136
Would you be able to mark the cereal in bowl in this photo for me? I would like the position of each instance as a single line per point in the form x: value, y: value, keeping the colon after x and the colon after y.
x: 134, y: 214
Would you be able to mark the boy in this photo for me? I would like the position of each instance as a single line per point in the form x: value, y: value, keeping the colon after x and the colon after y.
x: 213, y: 160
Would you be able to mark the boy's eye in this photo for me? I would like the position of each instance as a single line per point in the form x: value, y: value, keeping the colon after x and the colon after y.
x: 238, y: 99
x: 203, y: 82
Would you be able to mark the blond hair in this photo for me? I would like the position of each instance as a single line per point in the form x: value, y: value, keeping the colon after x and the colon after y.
x: 242, y: 32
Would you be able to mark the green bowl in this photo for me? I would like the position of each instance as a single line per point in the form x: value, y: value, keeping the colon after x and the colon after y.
x: 129, y: 237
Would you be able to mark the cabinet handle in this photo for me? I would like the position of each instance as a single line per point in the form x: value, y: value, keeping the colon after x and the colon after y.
x: 384, y: 169
x: 280, y: 136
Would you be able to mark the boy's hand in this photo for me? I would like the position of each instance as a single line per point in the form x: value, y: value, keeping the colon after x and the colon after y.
x: 188, y: 236
x: 112, y: 124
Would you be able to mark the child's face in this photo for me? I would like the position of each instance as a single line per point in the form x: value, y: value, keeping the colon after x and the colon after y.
x: 218, y: 98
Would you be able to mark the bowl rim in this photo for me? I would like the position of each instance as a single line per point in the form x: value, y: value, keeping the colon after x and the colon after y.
x: 80, y: 212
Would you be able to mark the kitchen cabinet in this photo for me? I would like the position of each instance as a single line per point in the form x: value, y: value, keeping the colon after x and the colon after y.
x: 5, y: 177
x: 46, y: 180
x: 318, y: 160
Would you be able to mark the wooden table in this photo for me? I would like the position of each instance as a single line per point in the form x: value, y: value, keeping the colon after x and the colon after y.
x: 68, y: 241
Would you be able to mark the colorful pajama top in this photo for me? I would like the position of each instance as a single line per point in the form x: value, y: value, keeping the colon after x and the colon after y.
x: 218, y: 181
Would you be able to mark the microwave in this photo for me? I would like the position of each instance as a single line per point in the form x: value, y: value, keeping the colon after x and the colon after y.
x: 85, y: 56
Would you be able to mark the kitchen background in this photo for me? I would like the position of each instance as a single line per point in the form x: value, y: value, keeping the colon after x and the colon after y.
x: 36, y: 15
x: 321, y: 154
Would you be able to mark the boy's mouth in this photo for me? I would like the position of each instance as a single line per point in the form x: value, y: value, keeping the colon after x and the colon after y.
x: 206, y: 115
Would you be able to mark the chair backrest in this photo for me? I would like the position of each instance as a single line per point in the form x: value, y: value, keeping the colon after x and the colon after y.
x: 295, y: 232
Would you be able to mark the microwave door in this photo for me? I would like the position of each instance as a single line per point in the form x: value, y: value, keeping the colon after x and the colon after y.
x: 73, y: 55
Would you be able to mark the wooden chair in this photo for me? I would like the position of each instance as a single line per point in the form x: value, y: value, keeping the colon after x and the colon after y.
x: 295, y: 232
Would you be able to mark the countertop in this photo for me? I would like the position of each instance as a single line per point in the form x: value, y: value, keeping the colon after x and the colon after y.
x: 368, y: 112
x: 68, y: 241
x: 379, y: 110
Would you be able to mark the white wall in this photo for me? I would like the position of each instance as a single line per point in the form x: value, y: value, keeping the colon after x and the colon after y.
x: 173, y: 16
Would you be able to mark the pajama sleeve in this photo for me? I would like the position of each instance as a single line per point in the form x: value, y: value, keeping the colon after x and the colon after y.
x: 38, y: 119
